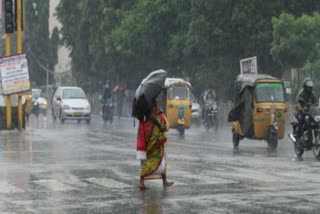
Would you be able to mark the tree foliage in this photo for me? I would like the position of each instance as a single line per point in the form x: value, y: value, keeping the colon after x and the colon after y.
x: 122, y: 41
x: 295, y: 39
x: 40, y: 47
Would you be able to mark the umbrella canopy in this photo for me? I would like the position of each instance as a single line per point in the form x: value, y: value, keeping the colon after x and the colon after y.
x: 147, y: 92
x: 120, y: 87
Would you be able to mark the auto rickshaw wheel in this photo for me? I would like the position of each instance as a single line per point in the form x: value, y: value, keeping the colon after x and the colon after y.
x: 181, y: 130
x: 272, y: 139
x: 235, y: 140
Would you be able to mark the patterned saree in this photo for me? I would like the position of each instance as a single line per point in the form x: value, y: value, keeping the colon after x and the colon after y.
x: 155, y: 163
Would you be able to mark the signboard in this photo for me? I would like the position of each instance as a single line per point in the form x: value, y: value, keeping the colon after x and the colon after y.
x: 249, y: 65
x: 14, y: 74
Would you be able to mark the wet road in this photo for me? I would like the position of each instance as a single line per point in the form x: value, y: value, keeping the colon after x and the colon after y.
x: 79, y: 168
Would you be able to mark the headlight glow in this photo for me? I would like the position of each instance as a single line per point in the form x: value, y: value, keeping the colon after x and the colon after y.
x: 307, y: 117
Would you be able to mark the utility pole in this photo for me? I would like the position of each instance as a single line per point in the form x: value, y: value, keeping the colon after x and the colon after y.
x: 9, y: 28
x: 19, y: 51
x: 47, y: 77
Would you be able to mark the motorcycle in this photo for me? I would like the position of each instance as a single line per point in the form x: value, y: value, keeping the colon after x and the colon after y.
x: 107, y: 111
x: 310, y: 137
x: 36, y: 108
x: 211, y: 116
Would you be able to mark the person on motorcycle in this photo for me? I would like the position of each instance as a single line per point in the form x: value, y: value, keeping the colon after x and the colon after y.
x: 208, y: 97
x: 305, y: 98
x: 107, y: 98
x: 107, y: 93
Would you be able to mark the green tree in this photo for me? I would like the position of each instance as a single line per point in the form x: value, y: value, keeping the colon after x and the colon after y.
x: 295, y: 39
x: 202, y: 40
x: 40, y: 48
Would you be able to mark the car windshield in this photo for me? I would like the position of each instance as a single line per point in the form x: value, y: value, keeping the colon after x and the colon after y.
x: 179, y: 93
x: 73, y: 93
x: 270, y: 92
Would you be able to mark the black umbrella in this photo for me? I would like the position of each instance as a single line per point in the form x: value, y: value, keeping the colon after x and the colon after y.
x: 147, y: 92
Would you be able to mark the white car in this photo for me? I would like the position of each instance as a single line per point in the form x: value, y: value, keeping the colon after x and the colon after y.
x: 70, y: 103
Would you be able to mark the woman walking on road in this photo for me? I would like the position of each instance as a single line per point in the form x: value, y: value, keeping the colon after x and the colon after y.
x: 150, y: 147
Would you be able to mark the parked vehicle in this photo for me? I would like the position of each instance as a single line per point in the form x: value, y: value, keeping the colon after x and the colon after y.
x: 211, y: 116
x: 310, y: 138
x: 260, y: 109
x: 70, y: 103
x: 176, y: 102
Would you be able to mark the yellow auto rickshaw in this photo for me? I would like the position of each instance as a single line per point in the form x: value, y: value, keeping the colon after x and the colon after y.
x: 177, y: 103
x: 260, y: 109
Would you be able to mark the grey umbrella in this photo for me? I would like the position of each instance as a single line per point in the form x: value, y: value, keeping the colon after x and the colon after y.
x: 147, y: 92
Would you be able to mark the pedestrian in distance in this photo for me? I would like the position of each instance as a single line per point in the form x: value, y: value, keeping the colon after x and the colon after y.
x: 151, y: 141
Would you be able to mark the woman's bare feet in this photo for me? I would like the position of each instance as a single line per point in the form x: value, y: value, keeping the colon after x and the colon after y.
x: 165, y: 182
x: 168, y: 183
x: 142, y: 187
x: 141, y: 184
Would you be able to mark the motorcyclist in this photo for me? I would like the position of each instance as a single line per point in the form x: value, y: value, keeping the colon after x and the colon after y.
x: 305, y: 98
x: 208, y: 98
x: 107, y: 93
x: 107, y: 97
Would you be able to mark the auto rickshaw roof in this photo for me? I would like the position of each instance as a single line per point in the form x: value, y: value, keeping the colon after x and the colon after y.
x: 171, y: 81
x: 249, y: 80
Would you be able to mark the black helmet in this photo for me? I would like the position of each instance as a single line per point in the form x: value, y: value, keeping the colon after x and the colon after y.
x: 308, y: 85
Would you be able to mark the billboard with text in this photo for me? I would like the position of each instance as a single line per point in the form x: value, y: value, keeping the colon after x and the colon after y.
x: 14, y: 74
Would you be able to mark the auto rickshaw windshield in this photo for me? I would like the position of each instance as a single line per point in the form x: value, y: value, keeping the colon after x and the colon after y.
x: 270, y: 92
x: 179, y: 93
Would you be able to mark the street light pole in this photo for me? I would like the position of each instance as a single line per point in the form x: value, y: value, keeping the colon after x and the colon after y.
x: 19, y: 51
x: 47, y: 83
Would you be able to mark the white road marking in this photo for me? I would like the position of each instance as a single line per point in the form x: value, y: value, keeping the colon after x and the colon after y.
x: 158, y: 182
x: 108, y: 183
x: 6, y: 188
x: 206, y: 179
x: 54, y: 185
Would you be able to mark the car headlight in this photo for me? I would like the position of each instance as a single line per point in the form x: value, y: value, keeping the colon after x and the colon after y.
x: 66, y: 107
x: 35, y: 103
x: 88, y: 107
x: 45, y: 102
